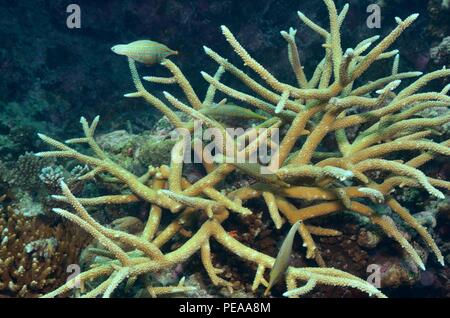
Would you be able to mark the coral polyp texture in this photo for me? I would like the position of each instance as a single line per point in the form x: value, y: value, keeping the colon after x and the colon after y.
x: 33, y: 255
x: 340, y: 140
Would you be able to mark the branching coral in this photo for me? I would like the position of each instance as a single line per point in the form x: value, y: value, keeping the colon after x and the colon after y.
x: 307, y: 182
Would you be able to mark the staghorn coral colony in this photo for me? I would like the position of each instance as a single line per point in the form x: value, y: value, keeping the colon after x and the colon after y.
x: 369, y: 121
x: 349, y: 146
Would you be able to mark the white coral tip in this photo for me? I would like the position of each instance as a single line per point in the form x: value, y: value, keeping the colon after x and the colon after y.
x: 131, y: 95
x: 206, y: 49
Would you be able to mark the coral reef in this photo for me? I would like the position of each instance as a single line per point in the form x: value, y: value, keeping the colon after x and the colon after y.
x: 441, y: 53
x: 34, y: 255
x: 24, y: 173
x: 438, y: 11
x: 30, y: 180
x: 356, y: 173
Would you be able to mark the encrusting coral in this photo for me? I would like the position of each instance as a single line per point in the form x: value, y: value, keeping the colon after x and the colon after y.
x: 310, y: 182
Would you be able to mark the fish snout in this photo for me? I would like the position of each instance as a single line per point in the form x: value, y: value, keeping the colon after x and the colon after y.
x: 118, y: 49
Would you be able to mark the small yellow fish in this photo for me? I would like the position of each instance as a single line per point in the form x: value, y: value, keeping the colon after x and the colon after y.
x: 144, y: 51
x: 283, y: 257
x: 230, y: 111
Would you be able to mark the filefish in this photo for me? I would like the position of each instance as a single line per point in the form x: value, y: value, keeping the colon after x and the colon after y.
x: 253, y: 170
x: 226, y: 111
x: 283, y: 257
x: 144, y: 51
